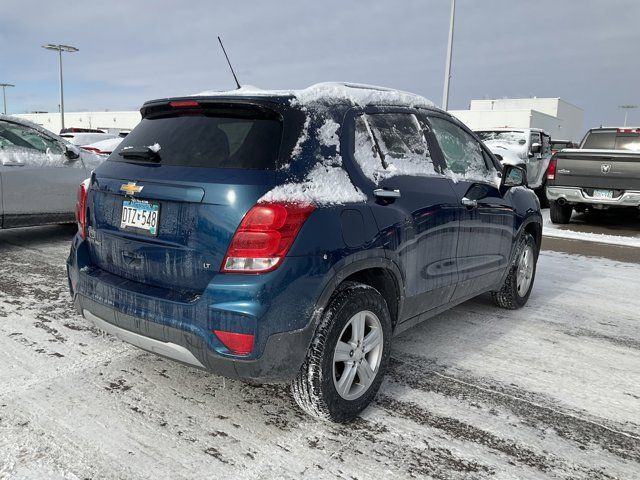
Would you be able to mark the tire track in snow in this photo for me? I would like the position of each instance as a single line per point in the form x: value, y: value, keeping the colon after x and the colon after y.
x: 584, y: 432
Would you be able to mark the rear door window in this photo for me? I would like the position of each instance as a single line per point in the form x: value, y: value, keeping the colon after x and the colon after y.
x: 390, y: 144
x: 215, y: 140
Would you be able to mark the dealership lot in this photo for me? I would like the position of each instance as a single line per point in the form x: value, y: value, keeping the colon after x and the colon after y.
x: 552, y: 389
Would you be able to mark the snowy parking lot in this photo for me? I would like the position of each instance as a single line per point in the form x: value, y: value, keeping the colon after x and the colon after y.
x: 552, y: 390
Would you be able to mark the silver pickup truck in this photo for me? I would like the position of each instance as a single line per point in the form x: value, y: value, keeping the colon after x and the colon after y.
x: 603, y: 173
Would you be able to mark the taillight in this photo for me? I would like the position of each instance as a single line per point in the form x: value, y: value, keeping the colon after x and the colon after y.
x: 264, y: 237
x: 81, y: 208
x: 236, y: 343
x: 551, y: 171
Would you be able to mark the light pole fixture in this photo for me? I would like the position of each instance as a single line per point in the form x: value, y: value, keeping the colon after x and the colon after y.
x: 60, y: 49
x: 626, y: 109
x: 4, y: 94
x: 447, y: 70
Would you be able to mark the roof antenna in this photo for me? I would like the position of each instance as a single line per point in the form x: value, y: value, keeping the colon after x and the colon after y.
x: 230, y: 67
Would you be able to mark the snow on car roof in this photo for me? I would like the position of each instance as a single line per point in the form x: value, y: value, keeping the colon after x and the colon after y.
x: 352, y: 93
x: 508, y: 129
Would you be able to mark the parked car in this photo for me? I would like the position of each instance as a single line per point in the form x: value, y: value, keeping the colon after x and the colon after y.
x: 82, y: 137
x: 529, y: 148
x: 39, y: 174
x: 287, y: 236
x: 103, y: 147
x: 603, y: 173
x: 557, y: 145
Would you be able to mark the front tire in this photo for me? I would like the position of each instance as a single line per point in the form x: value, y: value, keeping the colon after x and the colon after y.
x: 560, y: 214
x: 517, y: 287
x: 348, y: 355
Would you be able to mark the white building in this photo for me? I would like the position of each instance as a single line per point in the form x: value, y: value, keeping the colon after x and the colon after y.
x: 107, y: 121
x: 561, y: 119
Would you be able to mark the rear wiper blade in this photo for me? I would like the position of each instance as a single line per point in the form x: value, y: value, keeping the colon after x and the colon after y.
x: 146, y: 153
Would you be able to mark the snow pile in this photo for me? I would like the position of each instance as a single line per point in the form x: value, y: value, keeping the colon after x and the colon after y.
x: 358, y: 94
x: 327, y: 183
x: 155, y: 147
x: 28, y: 156
x: 352, y: 93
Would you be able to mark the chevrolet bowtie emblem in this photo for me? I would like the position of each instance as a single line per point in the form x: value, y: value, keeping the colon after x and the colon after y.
x: 131, y: 188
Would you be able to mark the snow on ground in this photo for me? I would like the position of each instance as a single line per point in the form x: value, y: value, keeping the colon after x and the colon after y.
x: 552, y: 390
x: 571, y: 231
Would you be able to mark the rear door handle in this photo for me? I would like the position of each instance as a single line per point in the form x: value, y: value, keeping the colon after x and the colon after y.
x: 383, y: 193
x: 467, y: 202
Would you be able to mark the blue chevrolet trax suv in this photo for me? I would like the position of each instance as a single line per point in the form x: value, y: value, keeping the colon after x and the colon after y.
x: 287, y: 236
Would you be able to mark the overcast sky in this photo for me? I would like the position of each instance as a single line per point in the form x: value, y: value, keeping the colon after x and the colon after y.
x: 585, y: 52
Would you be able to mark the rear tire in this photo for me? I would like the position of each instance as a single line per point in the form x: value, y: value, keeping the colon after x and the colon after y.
x: 338, y: 379
x: 560, y: 214
x: 517, y: 287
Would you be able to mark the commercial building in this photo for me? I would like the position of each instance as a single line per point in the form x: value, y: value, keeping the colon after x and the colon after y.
x: 108, y: 121
x: 561, y: 119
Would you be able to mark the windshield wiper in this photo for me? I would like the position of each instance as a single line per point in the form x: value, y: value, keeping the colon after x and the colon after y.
x: 145, y: 153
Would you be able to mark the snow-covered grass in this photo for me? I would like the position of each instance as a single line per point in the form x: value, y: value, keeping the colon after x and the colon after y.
x: 552, y: 390
x: 569, y: 231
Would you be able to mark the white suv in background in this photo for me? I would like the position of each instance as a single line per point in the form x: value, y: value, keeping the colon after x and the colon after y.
x: 526, y: 147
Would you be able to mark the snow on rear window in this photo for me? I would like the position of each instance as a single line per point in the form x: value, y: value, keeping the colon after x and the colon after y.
x: 401, y: 141
x: 327, y: 183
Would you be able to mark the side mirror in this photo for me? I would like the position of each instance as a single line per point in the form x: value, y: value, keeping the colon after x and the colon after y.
x: 513, y: 176
x: 536, y: 147
x: 71, y: 152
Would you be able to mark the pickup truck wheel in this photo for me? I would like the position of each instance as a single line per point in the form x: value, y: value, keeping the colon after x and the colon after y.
x: 347, y: 357
x: 517, y: 286
x: 560, y: 214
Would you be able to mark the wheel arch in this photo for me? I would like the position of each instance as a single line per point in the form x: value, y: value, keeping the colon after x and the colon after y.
x: 379, y: 273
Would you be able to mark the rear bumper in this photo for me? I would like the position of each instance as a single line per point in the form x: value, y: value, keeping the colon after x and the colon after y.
x: 278, y: 308
x: 629, y: 198
x: 280, y: 360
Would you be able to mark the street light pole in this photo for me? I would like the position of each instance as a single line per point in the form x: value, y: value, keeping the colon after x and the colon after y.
x: 447, y: 72
x: 626, y: 109
x: 60, y: 49
x: 4, y: 94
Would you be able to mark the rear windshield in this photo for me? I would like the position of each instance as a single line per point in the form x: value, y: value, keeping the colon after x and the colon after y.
x: 216, y: 140
x: 612, y: 140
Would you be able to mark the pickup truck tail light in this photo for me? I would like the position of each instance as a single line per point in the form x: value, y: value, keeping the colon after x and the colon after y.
x: 264, y: 237
x: 81, y: 208
x: 551, y: 171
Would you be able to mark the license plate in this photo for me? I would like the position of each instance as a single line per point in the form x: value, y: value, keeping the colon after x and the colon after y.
x: 602, y: 193
x: 140, y: 215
